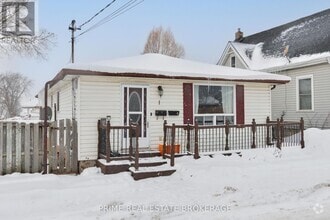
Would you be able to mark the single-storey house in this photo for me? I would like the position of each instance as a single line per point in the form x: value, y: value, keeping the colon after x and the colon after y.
x: 150, y: 88
x: 299, y: 49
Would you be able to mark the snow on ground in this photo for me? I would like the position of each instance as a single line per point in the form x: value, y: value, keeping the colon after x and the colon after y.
x: 261, y: 184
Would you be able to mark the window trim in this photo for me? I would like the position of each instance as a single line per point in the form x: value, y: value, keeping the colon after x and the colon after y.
x: 298, y: 78
x: 215, y: 114
x: 231, y: 61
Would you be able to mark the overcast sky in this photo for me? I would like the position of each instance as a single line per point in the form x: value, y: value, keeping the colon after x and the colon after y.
x: 202, y: 27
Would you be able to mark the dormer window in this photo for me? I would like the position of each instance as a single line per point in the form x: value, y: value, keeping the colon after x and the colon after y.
x: 233, y: 61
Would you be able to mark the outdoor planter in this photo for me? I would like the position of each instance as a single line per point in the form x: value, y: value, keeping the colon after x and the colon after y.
x: 168, y: 149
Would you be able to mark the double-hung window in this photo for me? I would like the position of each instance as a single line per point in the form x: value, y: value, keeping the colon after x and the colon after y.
x: 305, y: 93
x: 213, y: 105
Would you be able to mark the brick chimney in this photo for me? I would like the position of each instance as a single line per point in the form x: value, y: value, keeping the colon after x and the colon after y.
x: 238, y: 35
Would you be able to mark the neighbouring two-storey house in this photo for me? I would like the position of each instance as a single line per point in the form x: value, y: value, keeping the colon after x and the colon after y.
x: 299, y: 49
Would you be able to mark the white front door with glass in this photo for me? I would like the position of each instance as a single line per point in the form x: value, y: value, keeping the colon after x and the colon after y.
x: 135, y: 110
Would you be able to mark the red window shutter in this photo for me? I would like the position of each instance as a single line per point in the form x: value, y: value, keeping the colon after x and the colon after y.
x: 240, y: 112
x: 188, y: 114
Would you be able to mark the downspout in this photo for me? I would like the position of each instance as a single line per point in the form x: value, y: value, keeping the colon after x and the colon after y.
x: 45, y: 127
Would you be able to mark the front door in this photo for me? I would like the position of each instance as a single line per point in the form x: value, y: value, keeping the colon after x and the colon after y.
x: 135, y: 110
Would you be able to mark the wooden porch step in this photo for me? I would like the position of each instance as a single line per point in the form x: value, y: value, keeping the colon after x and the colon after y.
x: 117, y: 166
x: 113, y: 167
x: 151, y: 162
x: 145, y: 154
x: 148, y: 172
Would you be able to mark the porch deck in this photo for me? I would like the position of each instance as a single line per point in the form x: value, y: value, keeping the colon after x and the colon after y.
x: 180, y: 140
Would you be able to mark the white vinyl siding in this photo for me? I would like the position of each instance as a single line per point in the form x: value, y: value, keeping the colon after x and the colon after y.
x: 61, y: 95
x: 284, y: 99
x: 102, y: 96
x: 65, y: 106
x: 99, y: 97
x: 257, y: 102
x: 238, y: 61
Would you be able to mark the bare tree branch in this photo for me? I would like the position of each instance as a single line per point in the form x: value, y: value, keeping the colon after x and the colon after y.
x: 24, y: 45
x: 12, y: 87
x: 163, y: 42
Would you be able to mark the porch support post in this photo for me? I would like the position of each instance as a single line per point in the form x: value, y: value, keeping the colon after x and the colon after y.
x: 136, y: 162
x: 108, y: 146
x: 196, y: 149
x: 130, y: 148
x: 98, y: 138
x: 188, y: 136
x: 282, y: 129
x: 302, y: 127
x: 253, y: 134
x: 164, y: 139
x: 278, y: 138
x: 172, y: 144
x: 227, y: 134
x: 267, y: 131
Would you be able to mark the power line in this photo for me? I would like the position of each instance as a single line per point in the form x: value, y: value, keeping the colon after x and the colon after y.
x: 117, y: 13
x: 124, y: 8
x: 99, y: 12
x: 73, y: 28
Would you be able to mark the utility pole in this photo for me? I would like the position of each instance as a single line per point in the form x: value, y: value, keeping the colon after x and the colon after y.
x: 72, y: 28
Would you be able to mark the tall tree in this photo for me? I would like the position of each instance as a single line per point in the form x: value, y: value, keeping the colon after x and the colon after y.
x: 163, y: 42
x: 12, y: 88
x: 12, y: 41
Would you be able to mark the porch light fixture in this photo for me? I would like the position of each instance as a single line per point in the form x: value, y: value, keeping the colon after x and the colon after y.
x: 160, y: 91
x: 108, y: 118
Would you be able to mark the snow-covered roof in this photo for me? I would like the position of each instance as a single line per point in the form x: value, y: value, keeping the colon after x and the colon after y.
x: 161, y: 66
x: 255, y: 59
x: 303, y: 41
x: 304, y: 36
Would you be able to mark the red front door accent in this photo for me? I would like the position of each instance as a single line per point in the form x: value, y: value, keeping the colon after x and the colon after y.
x: 188, y: 114
x: 240, y: 112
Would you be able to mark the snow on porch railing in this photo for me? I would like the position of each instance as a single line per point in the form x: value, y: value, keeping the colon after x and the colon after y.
x: 195, y: 139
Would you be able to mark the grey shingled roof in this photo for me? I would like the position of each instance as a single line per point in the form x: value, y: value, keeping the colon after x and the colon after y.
x: 307, y: 35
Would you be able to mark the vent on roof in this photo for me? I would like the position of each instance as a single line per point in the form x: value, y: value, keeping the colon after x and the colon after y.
x: 248, y: 53
x: 285, y: 52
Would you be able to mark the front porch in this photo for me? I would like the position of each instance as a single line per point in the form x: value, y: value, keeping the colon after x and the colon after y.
x: 118, y: 148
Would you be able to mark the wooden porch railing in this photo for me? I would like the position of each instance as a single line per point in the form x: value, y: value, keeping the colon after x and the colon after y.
x: 196, y: 139
x: 118, y: 142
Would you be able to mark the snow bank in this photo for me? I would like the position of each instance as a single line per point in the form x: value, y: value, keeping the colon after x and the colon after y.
x: 317, y: 141
x: 258, y: 184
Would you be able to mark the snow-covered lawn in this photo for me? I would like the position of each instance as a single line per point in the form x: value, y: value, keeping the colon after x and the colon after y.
x: 262, y: 184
